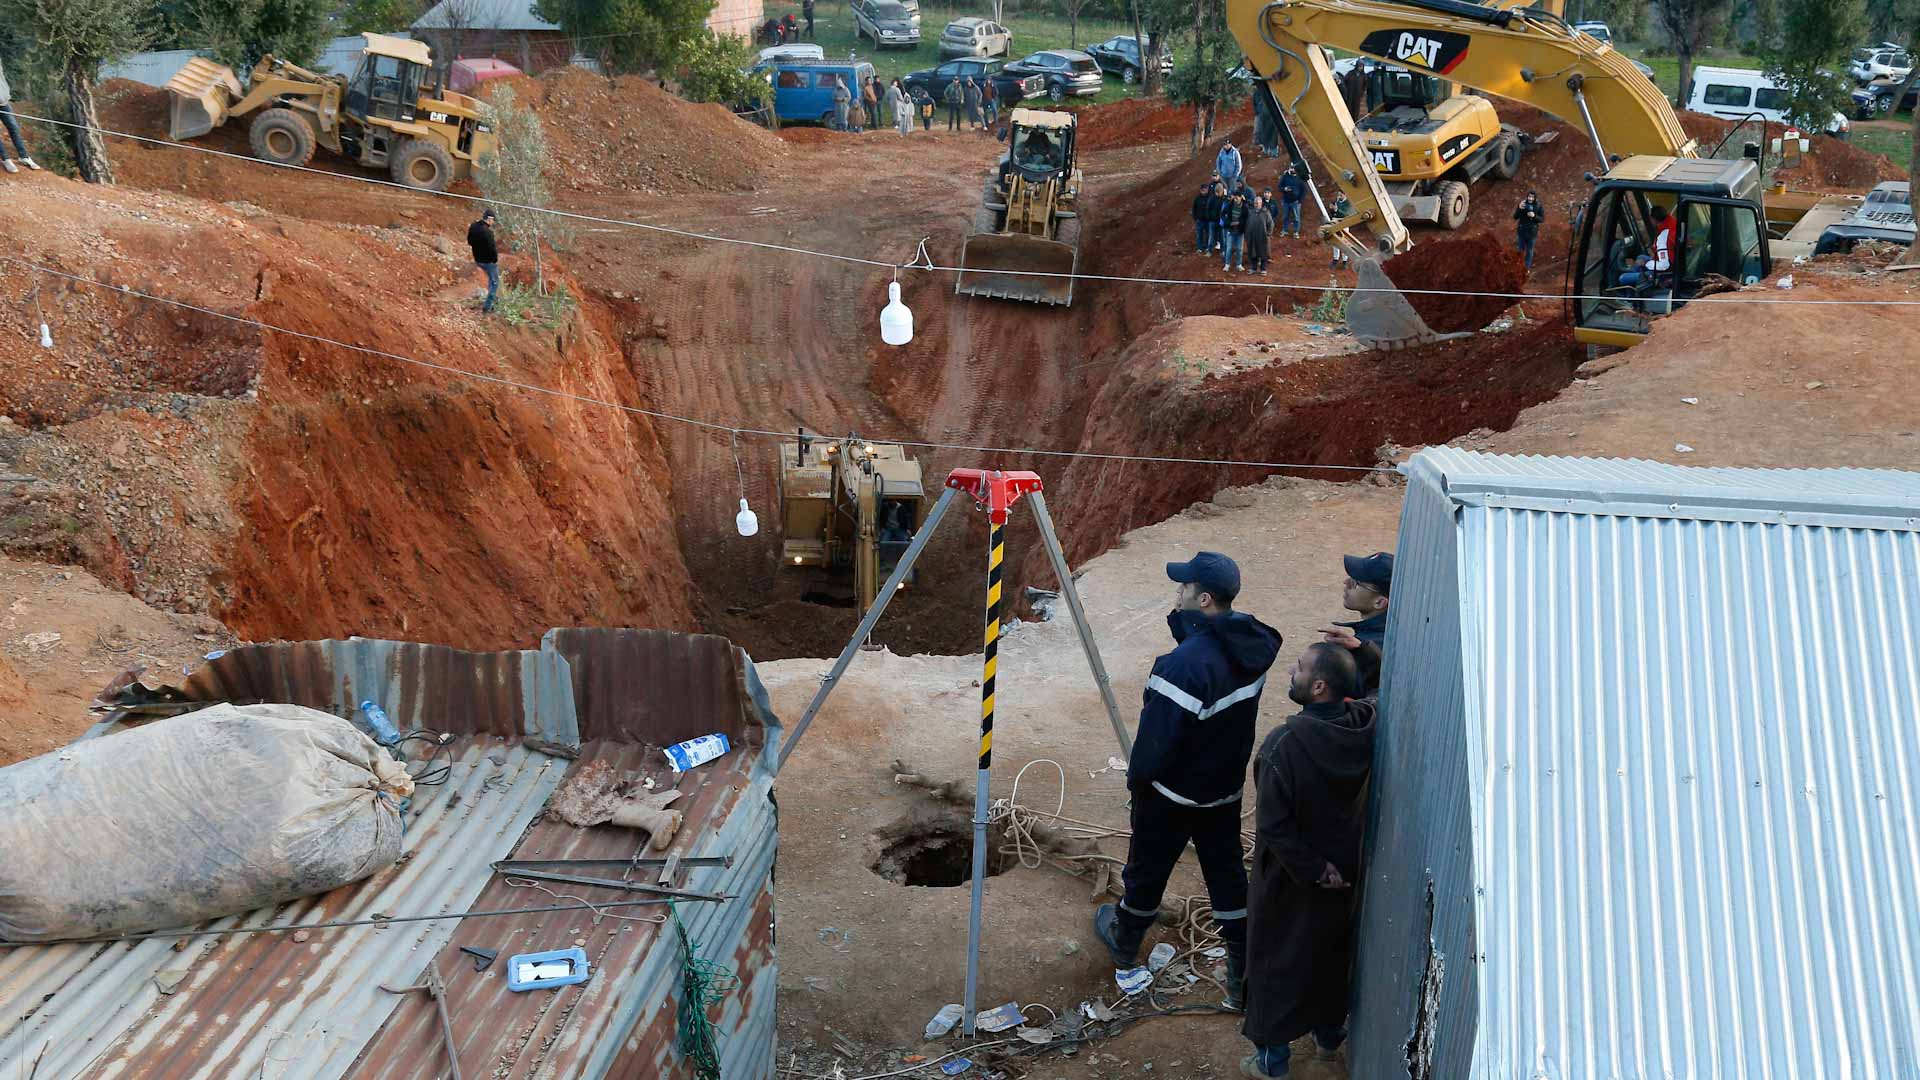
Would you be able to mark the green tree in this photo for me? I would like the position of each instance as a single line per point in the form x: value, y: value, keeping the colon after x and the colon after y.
x: 1204, y: 78
x: 74, y: 37
x: 379, y: 16
x: 1805, y: 44
x: 1691, y: 24
x: 718, y: 68
x: 630, y: 35
x: 514, y: 177
x: 239, y: 32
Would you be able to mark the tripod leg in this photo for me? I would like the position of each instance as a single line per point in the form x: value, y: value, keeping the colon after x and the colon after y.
x: 989, y: 667
x: 1087, y: 644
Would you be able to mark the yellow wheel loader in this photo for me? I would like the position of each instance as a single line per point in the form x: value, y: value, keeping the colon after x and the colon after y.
x: 1028, y: 222
x: 1428, y: 143
x: 848, y: 509
x: 391, y: 114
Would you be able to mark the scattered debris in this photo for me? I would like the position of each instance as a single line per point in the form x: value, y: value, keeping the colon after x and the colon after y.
x: 1000, y: 1019
x: 1682, y: 448
x: 944, y: 1020
x: 1690, y: 400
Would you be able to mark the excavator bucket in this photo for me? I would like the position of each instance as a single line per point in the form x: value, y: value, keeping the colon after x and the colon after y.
x: 1016, y: 256
x: 1380, y: 317
x: 198, y: 98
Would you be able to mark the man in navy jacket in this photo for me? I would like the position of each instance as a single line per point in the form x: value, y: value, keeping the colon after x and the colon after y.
x: 1190, y: 761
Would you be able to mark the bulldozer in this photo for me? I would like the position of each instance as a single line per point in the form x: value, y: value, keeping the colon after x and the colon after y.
x: 849, y: 509
x: 1028, y: 222
x: 1428, y: 143
x: 391, y: 114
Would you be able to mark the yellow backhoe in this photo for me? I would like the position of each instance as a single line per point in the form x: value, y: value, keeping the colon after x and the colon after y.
x: 1028, y: 222
x: 1647, y: 168
x: 1429, y: 144
x: 849, y: 509
x: 392, y: 114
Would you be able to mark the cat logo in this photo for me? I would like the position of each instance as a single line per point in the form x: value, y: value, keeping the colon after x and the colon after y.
x: 1452, y: 147
x: 1385, y: 161
x: 437, y: 117
x: 1416, y: 49
x: 1438, y: 51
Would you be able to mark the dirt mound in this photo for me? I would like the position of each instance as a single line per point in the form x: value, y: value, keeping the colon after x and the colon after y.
x: 1476, y: 263
x: 627, y: 134
x: 1137, y: 121
x: 804, y: 135
x: 1829, y: 165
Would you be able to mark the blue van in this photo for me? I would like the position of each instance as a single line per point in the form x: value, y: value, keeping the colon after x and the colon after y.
x: 803, y: 90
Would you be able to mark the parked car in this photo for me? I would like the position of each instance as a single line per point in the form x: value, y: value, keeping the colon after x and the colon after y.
x: 887, y: 22
x: 1876, y: 98
x: 1883, y: 61
x: 803, y: 90
x: 1739, y: 93
x: 1121, y: 56
x: 1595, y: 30
x: 1887, y: 214
x: 1068, y: 72
x: 974, y: 36
x: 1641, y: 68
x: 1007, y: 86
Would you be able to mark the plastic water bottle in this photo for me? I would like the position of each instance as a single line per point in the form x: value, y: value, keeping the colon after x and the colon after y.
x: 684, y: 756
x: 943, y: 1020
x: 378, y: 725
x: 1160, y: 957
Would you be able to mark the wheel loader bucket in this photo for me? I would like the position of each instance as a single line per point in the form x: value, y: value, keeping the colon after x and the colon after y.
x: 198, y: 98
x: 1016, y: 256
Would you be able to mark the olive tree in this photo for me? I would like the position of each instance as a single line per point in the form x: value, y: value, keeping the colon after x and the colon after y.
x: 75, y: 37
x: 513, y: 181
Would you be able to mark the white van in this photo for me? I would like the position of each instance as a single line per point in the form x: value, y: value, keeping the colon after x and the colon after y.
x: 1738, y: 93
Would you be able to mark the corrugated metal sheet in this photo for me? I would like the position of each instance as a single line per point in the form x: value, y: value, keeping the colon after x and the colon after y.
x: 1691, y: 846
x: 261, y: 1006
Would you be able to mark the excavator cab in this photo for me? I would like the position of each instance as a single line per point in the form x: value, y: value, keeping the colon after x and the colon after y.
x: 1718, y: 239
x: 385, y: 87
x: 849, y: 511
x: 1394, y: 88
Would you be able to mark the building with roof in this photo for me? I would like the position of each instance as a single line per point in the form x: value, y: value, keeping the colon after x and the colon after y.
x: 509, y: 30
x: 271, y: 1005
x: 1643, y: 795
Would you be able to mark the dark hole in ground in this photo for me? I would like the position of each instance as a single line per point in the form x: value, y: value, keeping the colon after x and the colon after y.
x: 826, y: 599
x: 933, y: 851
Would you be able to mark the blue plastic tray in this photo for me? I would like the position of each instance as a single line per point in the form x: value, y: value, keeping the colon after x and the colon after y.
x: 581, y: 970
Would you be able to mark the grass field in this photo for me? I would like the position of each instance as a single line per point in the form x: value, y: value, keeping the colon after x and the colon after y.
x: 1666, y: 69
x: 833, y: 30
x: 1895, y: 143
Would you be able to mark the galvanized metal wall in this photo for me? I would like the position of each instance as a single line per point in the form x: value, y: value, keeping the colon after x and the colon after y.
x: 1690, y: 735
x: 1412, y: 968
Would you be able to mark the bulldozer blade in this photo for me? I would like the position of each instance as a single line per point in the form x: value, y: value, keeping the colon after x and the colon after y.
x: 1379, y: 317
x: 198, y: 98
x: 994, y: 264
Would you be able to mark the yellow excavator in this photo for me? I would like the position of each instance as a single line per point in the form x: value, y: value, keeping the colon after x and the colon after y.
x: 391, y: 114
x: 849, y: 509
x: 1655, y: 200
x: 1429, y: 143
x: 1029, y: 221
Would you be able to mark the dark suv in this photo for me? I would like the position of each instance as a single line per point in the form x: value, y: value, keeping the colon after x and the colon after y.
x: 1068, y: 73
x: 1121, y: 56
x: 1006, y: 85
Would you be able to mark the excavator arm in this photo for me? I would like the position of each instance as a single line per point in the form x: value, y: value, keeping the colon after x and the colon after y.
x: 1527, y: 54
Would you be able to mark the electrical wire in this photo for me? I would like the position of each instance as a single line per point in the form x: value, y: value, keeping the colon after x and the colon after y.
x: 429, y: 776
x: 929, y: 265
x: 654, y: 413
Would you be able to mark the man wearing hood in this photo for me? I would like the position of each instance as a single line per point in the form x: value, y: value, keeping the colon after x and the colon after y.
x: 1190, y: 762
x: 1309, y: 780
x: 1367, y: 594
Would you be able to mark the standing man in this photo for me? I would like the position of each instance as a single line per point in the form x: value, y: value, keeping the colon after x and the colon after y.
x: 1308, y: 782
x: 1228, y: 165
x: 990, y: 100
x: 972, y: 96
x: 1190, y: 762
x: 902, y: 109
x: 1204, y: 212
x: 486, y: 255
x: 870, y: 97
x: 1258, y: 224
x: 842, y: 102
x: 13, y: 130
x: 1369, y: 583
x: 953, y: 95
x: 806, y: 12
x: 1233, y: 230
x: 1526, y: 223
x: 1293, y: 191
x: 1342, y: 210
x: 923, y: 104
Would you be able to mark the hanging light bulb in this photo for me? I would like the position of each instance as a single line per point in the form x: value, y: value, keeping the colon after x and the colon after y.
x: 746, y: 521
x: 896, y: 321
x: 46, y: 336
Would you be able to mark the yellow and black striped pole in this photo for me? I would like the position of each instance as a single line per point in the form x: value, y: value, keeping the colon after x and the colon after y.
x: 989, y: 667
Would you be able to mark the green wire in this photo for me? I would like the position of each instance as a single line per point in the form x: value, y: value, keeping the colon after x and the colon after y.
x: 702, y: 983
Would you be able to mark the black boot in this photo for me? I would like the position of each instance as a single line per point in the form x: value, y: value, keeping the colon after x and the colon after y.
x: 1236, y: 975
x: 1121, y: 934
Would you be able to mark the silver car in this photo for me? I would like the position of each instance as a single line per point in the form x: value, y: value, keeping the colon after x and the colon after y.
x: 887, y: 22
x: 973, y: 36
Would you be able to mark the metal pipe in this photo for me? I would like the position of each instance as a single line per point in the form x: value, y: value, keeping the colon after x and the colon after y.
x: 1580, y: 98
x: 989, y: 667
x: 887, y: 593
x: 609, y: 883
x: 1072, y: 595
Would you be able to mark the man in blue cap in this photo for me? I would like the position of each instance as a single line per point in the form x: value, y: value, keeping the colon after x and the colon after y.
x: 1369, y: 585
x: 1190, y: 762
